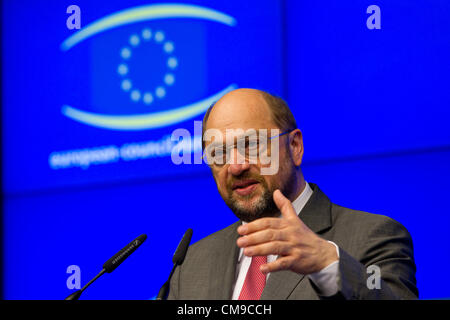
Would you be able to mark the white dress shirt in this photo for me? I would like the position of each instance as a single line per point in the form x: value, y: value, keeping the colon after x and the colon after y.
x: 326, y: 280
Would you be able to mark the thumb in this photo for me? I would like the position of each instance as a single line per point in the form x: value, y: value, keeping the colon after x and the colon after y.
x: 283, y: 203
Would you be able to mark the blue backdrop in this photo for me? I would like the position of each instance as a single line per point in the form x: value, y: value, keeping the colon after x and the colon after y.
x: 87, y: 117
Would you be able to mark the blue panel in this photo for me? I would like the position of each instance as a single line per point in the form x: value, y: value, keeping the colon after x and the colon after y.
x: 64, y: 100
x: 46, y: 234
x: 411, y: 189
x: 361, y: 91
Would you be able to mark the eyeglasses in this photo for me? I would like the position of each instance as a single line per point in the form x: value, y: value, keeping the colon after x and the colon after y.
x: 249, y: 147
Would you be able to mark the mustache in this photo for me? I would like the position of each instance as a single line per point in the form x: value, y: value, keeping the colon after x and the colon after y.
x: 245, y: 176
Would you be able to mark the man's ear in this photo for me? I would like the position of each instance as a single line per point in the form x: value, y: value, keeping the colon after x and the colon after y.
x: 296, y: 146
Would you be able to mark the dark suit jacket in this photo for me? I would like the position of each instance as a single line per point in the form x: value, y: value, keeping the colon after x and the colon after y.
x: 364, y: 239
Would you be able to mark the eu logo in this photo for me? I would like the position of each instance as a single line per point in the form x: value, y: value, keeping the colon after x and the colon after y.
x: 145, y: 69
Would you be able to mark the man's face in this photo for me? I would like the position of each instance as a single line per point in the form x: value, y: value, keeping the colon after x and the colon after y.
x: 247, y: 192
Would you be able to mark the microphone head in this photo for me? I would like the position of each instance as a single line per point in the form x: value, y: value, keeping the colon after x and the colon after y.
x: 180, y: 252
x: 120, y: 256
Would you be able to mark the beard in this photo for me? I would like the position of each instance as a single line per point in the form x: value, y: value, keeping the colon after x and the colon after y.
x: 252, y: 207
x: 255, y: 206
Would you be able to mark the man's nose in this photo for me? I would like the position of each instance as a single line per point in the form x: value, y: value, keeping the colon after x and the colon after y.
x: 238, y: 164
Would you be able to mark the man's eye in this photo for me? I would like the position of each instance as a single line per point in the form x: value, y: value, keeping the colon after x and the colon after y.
x: 252, y: 144
x: 218, y: 152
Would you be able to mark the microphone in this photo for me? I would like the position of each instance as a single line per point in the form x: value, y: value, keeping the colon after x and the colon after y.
x: 112, y: 263
x: 177, y: 259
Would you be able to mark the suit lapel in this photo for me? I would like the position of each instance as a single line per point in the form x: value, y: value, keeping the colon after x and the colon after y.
x: 317, y: 216
x: 224, y: 272
x: 317, y: 212
x: 280, y: 285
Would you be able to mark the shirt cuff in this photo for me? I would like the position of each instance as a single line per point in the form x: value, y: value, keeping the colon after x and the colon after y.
x: 326, y: 280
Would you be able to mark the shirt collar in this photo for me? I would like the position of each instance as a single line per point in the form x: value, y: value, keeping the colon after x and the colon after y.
x: 302, y: 199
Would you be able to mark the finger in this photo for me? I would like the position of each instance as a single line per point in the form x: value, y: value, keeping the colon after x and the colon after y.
x: 260, y: 237
x: 260, y: 224
x: 283, y: 203
x: 282, y: 263
x: 274, y: 247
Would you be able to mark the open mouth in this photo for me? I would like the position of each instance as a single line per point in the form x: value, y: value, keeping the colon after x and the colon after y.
x: 244, y: 187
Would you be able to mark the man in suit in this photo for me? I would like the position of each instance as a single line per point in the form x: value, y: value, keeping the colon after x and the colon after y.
x: 290, y: 241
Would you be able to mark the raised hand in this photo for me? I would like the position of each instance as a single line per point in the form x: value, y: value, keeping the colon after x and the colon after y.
x: 298, y: 248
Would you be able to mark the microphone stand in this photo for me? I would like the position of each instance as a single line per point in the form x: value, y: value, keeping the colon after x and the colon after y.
x: 162, y: 295
x: 76, y: 295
